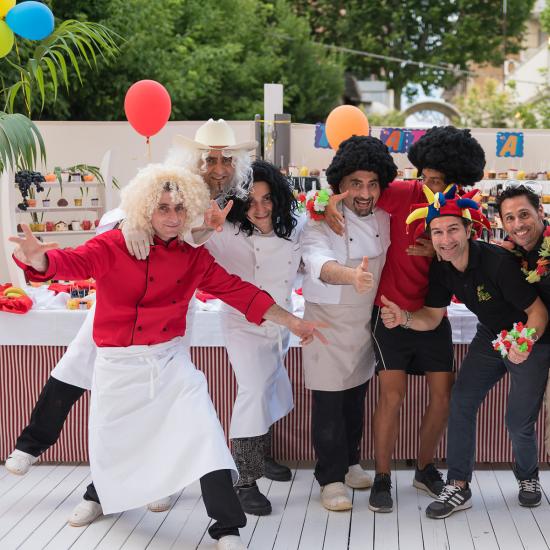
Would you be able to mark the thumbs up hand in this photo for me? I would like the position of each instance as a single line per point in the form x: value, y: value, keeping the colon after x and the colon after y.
x: 391, y: 314
x: 363, y: 281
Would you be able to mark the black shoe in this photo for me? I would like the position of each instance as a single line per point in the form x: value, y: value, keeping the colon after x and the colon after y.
x: 380, y: 494
x: 451, y: 499
x: 530, y: 493
x: 429, y: 479
x: 252, y: 501
x: 275, y: 471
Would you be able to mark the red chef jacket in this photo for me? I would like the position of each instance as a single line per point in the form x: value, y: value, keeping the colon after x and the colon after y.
x: 144, y: 302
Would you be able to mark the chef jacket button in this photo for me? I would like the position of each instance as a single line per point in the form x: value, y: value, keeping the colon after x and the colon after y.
x: 151, y: 279
x: 139, y: 328
x: 257, y: 249
x: 350, y: 239
x: 378, y: 235
x: 164, y: 329
x: 289, y: 263
x: 257, y: 267
x: 178, y: 281
x: 173, y: 301
x: 286, y: 281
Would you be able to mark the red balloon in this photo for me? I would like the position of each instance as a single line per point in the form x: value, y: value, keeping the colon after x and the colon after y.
x: 147, y: 106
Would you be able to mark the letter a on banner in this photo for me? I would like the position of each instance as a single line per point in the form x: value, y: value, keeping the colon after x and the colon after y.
x: 509, y: 144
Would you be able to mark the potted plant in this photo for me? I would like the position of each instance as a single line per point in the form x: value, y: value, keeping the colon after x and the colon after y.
x: 29, y: 183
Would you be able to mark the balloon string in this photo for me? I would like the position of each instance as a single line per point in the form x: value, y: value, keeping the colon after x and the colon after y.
x: 148, y: 142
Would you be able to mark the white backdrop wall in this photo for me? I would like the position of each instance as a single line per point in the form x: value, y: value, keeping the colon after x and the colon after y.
x: 70, y: 143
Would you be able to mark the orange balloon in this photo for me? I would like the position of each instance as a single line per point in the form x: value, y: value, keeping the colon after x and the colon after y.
x: 343, y: 122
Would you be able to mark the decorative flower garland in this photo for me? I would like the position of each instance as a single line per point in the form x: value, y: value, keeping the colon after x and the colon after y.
x: 314, y: 202
x: 543, y: 263
x: 520, y: 337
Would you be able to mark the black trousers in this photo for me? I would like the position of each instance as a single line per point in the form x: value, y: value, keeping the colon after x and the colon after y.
x: 337, y: 423
x: 220, y: 500
x: 48, y: 416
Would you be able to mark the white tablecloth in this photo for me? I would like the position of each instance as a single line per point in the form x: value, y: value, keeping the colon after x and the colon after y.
x: 58, y: 327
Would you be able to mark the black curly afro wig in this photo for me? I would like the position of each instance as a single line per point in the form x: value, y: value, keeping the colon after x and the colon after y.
x: 361, y: 153
x: 451, y: 151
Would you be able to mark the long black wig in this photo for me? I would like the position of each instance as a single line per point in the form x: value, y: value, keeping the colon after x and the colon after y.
x: 283, y: 214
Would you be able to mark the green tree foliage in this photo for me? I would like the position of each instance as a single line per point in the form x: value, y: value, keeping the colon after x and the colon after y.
x: 488, y: 106
x: 451, y: 32
x: 545, y: 18
x: 213, y: 56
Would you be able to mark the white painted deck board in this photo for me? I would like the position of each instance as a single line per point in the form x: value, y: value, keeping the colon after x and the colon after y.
x: 34, y: 511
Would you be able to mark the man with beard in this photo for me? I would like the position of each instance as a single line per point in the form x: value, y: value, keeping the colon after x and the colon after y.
x: 342, y: 275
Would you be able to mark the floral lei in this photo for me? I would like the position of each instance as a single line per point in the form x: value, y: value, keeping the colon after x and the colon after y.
x: 543, y: 263
x: 314, y: 202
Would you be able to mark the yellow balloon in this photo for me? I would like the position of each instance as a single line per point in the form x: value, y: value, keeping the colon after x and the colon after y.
x: 6, y: 6
x: 6, y: 39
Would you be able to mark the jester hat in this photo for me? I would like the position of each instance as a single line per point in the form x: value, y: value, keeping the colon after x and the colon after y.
x: 447, y: 204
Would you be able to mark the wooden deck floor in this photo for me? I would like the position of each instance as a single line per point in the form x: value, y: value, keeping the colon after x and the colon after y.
x: 34, y: 510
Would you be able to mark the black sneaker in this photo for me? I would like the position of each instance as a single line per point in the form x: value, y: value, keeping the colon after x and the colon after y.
x: 380, y: 494
x: 530, y: 493
x: 252, y: 501
x: 451, y: 499
x: 275, y: 471
x: 429, y: 479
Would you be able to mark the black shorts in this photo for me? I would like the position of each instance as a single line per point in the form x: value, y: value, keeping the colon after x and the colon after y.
x: 412, y: 351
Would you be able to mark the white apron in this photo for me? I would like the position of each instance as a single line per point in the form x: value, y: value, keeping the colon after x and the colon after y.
x: 153, y: 429
x: 264, y: 391
x: 76, y: 366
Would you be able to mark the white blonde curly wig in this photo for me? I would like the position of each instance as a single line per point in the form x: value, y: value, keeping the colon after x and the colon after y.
x: 142, y: 195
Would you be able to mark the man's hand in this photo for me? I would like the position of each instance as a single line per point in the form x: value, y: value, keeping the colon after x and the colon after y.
x: 508, y: 245
x: 363, y: 280
x: 138, y: 242
x: 333, y: 217
x: 307, y: 330
x: 214, y: 216
x: 392, y: 315
x: 31, y: 251
x: 515, y: 356
x: 421, y: 247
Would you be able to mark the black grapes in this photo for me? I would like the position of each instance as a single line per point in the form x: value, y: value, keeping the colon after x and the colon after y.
x: 26, y: 178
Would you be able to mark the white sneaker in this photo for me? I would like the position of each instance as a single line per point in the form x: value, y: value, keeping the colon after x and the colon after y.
x: 335, y: 496
x: 19, y: 462
x: 357, y: 478
x: 231, y: 542
x: 85, y: 512
x: 160, y: 505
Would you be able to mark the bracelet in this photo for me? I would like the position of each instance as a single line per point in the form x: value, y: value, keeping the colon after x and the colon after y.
x: 408, y: 320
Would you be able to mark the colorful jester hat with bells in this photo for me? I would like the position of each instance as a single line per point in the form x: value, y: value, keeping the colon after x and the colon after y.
x: 447, y: 204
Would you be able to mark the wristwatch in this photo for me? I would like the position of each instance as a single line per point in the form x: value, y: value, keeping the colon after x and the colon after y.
x: 408, y: 320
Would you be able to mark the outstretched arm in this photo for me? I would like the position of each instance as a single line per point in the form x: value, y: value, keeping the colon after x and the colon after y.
x: 427, y: 318
x: 31, y: 251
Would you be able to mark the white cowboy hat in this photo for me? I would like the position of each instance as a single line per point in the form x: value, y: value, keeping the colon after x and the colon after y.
x: 214, y: 134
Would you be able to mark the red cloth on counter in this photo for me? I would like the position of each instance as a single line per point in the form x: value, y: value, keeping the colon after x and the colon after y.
x: 144, y: 302
x: 18, y: 304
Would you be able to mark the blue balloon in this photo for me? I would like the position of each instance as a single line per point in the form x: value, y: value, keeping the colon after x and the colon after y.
x: 32, y: 20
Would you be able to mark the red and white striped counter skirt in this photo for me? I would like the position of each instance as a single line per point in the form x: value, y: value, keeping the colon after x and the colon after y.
x: 24, y: 370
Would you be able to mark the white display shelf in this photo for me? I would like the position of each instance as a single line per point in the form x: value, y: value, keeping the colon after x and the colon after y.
x: 65, y: 233
x: 69, y: 184
x: 58, y: 209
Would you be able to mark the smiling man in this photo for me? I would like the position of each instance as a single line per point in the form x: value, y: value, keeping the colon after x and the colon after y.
x: 153, y: 428
x: 342, y: 275
x: 488, y: 281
